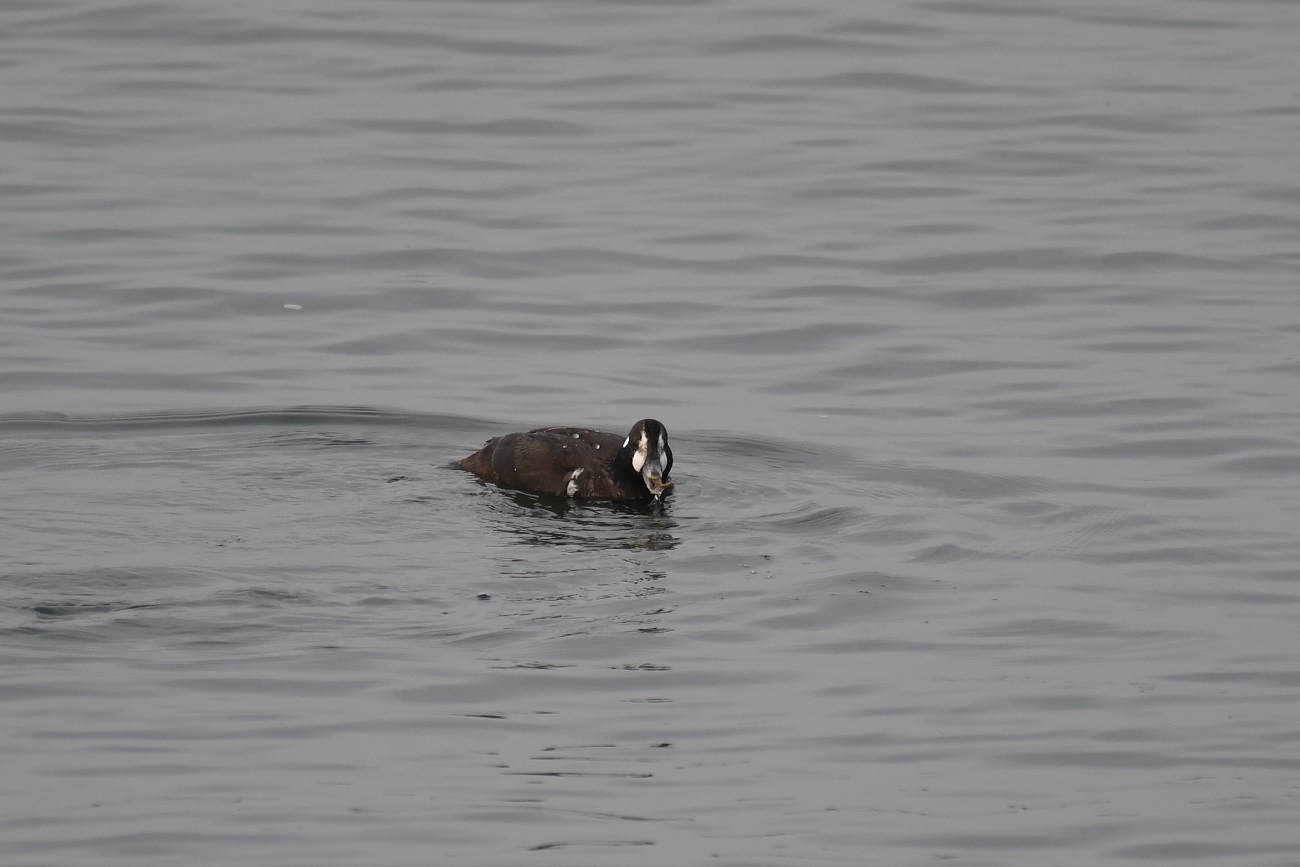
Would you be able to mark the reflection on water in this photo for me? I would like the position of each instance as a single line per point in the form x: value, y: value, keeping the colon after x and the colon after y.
x: 540, y: 519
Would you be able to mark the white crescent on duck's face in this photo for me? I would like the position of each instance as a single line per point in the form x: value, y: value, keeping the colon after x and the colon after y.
x: 642, y: 451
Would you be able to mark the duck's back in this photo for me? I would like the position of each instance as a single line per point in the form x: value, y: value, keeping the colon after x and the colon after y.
x: 563, y: 461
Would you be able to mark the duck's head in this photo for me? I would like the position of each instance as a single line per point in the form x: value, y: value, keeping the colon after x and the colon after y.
x: 646, y: 447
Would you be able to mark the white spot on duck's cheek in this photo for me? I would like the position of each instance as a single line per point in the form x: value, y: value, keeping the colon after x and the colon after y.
x: 642, y: 452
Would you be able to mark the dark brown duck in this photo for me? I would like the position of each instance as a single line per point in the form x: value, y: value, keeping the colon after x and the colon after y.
x: 576, y: 462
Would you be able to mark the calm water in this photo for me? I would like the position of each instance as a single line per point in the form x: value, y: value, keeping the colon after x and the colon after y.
x: 975, y: 325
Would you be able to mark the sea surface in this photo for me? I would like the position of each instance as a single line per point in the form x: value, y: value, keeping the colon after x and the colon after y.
x: 975, y: 327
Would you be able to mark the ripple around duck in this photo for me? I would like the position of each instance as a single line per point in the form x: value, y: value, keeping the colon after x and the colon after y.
x: 791, y: 492
x: 810, y: 518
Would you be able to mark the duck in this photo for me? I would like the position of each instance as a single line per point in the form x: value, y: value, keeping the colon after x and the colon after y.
x: 579, y: 463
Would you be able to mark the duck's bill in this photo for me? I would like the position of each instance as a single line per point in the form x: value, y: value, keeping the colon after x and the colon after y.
x: 658, y: 487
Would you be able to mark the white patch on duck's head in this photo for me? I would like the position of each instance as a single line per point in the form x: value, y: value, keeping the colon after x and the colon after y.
x: 571, y: 489
x: 642, y: 451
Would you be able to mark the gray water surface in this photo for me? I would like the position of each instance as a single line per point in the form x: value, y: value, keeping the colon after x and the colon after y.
x: 974, y: 326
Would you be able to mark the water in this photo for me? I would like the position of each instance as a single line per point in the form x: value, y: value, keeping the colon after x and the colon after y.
x: 973, y: 325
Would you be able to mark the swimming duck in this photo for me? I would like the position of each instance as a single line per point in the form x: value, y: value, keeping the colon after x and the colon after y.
x: 576, y: 462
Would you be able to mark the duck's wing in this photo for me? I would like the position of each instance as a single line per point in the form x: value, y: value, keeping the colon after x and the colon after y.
x: 583, y: 446
x: 543, y: 460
